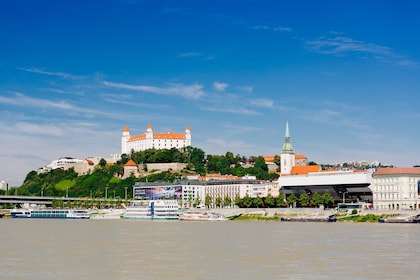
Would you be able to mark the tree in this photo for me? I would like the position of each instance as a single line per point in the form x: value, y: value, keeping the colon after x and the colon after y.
x: 102, y: 162
x: 327, y: 199
x: 247, y: 201
x: 280, y: 200
x: 269, y: 201
x: 260, y: 164
x: 227, y: 201
x: 316, y: 199
x: 189, y: 200
x: 257, y: 202
x: 208, y: 201
x: 291, y: 199
x: 238, y: 201
x: 218, y: 201
x: 304, y: 199
x: 197, y: 201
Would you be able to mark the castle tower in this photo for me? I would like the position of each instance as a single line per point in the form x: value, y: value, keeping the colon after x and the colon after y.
x: 287, y: 154
x: 124, y: 139
x: 187, y: 136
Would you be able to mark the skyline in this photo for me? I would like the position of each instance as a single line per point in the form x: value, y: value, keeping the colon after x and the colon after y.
x: 344, y: 74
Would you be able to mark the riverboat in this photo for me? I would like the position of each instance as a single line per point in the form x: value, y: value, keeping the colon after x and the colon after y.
x: 152, y: 210
x: 201, y: 216
x: 50, y: 213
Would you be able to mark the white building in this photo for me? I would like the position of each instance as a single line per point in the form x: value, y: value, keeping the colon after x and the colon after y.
x: 192, y: 191
x: 396, y: 188
x: 287, y: 155
x: 3, y: 185
x: 62, y: 162
x: 298, y: 178
x: 151, y: 140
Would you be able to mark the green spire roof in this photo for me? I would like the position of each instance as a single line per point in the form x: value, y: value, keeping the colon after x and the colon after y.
x: 287, y: 146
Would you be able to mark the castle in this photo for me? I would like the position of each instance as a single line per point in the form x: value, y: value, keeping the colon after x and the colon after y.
x: 151, y: 140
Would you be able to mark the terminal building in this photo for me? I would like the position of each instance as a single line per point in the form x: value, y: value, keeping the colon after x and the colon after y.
x: 353, y: 185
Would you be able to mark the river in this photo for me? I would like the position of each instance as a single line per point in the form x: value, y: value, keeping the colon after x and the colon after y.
x: 122, y: 249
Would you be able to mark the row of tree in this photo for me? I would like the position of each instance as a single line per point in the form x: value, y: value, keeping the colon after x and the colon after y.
x: 303, y: 200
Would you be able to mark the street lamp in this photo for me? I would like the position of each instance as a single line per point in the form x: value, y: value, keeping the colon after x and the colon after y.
x: 344, y: 197
x: 67, y: 192
x: 125, y: 193
x: 42, y: 192
x: 106, y: 192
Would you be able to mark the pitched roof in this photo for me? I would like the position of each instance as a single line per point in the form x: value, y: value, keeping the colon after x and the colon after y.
x: 126, y: 129
x: 268, y: 158
x: 300, y: 157
x: 398, y: 171
x: 130, y: 163
x: 303, y: 170
x: 169, y: 135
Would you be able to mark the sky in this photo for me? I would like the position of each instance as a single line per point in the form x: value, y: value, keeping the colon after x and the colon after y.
x: 343, y: 74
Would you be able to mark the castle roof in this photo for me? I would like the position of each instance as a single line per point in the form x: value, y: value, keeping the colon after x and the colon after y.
x: 126, y: 129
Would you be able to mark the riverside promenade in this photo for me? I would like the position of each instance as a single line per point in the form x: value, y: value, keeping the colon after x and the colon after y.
x: 301, y: 212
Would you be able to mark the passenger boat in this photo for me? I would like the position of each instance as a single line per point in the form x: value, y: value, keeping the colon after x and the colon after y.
x: 50, y: 213
x: 200, y: 216
x: 152, y: 210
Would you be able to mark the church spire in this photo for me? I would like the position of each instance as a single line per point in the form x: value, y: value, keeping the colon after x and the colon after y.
x: 287, y: 146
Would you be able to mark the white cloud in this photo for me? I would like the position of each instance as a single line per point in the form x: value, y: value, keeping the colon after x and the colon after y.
x: 193, y: 91
x: 56, y: 74
x: 23, y: 100
x: 220, y: 86
x: 248, y: 89
x: 342, y: 45
x: 190, y: 54
x: 233, y: 110
x: 273, y: 28
x: 31, y: 128
x: 262, y: 102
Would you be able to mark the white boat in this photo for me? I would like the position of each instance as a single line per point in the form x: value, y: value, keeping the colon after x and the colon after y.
x: 153, y: 210
x: 200, y: 216
x: 49, y: 213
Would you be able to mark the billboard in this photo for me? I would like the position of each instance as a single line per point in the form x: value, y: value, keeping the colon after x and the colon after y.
x: 158, y: 192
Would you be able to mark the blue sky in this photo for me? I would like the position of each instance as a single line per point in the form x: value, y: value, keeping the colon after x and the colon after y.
x: 344, y: 74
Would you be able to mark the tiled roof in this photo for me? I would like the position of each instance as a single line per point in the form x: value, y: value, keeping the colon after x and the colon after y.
x: 137, y: 137
x: 126, y: 129
x: 398, y: 171
x: 300, y: 157
x: 303, y: 170
x: 130, y: 163
x: 169, y: 135
x: 268, y: 158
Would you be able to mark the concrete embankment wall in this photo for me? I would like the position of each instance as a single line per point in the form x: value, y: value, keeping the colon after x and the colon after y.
x: 304, y: 212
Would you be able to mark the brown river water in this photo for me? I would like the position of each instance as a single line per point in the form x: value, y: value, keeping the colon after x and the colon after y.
x: 122, y: 249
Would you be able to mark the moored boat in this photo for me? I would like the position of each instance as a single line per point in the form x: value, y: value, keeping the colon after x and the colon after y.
x: 152, y: 210
x: 48, y: 213
x: 200, y: 216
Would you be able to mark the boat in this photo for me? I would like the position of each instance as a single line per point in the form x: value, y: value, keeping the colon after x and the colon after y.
x: 49, y: 213
x: 200, y: 216
x: 308, y: 219
x: 152, y: 210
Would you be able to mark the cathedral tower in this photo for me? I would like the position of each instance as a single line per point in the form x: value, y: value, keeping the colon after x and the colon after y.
x: 287, y: 154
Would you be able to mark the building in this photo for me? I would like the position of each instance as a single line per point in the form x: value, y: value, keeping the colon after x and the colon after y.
x: 151, y: 140
x: 287, y: 155
x: 396, y: 188
x: 195, y: 191
x: 297, y: 177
